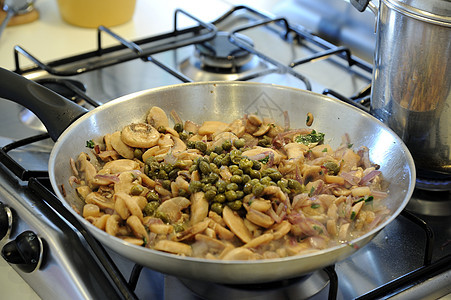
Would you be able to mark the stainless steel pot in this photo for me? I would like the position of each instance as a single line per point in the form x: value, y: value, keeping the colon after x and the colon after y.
x: 216, y: 101
x: 411, y: 90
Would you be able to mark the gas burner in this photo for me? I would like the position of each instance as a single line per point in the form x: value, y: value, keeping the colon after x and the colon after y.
x: 433, y: 181
x: 219, y: 53
x: 220, y: 59
x: 64, y: 87
x: 430, y: 203
x: 302, y: 287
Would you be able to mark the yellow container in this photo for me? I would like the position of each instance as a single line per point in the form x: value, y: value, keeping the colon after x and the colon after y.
x: 93, y: 13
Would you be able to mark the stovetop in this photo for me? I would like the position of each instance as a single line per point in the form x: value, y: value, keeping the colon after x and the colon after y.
x: 401, y: 258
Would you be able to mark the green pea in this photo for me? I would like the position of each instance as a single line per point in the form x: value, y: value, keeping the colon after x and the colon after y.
x: 221, y: 185
x: 246, y: 178
x: 256, y: 165
x: 236, y: 179
x: 217, y: 207
x: 218, y: 150
x: 265, y: 180
x: 245, y: 163
x: 233, y: 168
x: 255, y: 174
x: 257, y: 189
x: 194, y: 186
x: 332, y: 167
x: 227, y: 145
x: 162, y: 175
x: 232, y: 186
x: 137, y: 153
x: 276, y: 176
x: 201, y: 146
x: 178, y: 127
x: 136, y: 189
x: 247, y: 188
x: 161, y: 129
x: 161, y: 215
x: 226, y: 160
x: 230, y: 195
x: 178, y: 227
x: 210, y: 195
x: 235, y: 205
x: 152, y: 196
x: 191, y: 144
x: 204, y: 167
x: 151, y: 208
x: 239, y: 143
x: 238, y: 172
x: 219, y: 198
x: 183, y: 193
x: 166, y: 184
x: 183, y: 136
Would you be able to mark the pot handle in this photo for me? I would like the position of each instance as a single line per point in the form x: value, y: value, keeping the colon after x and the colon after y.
x: 55, y: 111
x: 361, y: 5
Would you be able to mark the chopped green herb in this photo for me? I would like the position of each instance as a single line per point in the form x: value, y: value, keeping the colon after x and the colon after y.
x: 315, y: 205
x: 144, y: 241
x: 324, y: 150
x: 90, y: 144
x: 350, y: 145
x: 311, y: 191
x: 367, y: 199
x: 317, y: 228
x: 264, y: 160
x: 311, y: 138
x: 353, y: 215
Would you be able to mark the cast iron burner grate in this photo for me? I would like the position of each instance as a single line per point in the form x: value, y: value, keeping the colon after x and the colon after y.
x: 38, y: 181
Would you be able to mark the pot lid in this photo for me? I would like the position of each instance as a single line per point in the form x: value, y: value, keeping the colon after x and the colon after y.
x: 432, y: 11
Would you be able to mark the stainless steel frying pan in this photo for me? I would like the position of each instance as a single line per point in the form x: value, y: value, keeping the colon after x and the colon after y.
x: 216, y: 101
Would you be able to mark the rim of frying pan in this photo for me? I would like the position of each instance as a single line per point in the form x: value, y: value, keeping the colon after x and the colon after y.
x: 131, y: 96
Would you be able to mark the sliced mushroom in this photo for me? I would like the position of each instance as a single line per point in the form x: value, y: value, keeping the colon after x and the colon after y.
x: 211, y: 127
x: 199, y: 207
x: 239, y: 254
x: 236, y: 224
x: 173, y: 207
x: 237, y: 127
x: 193, y: 230
x: 112, y: 225
x: 87, y: 169
x: 137, y: 227
x: 281, y: 229
x: 210, y: 242
x: 157, y: 117
x: 264, y: 128
x: 295, y: 150
x: 99, y: 200
x: 174, y: 247
x: 260, y: 240
x: 259, y: 218
x: 119, y: 166
x: 140, y: 135
x: 124, y: 150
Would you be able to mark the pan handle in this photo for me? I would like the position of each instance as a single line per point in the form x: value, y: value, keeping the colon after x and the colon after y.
x: 55, y: 111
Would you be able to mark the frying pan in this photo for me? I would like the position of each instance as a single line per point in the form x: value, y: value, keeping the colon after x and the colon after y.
x: 216, y: 101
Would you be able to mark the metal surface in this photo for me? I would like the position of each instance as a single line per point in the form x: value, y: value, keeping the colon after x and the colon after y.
x: 209, y: 101
x: 411, y: 89
x: 396, y: 250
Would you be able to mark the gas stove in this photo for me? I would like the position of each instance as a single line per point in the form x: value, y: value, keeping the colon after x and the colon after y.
x: 409, y: 258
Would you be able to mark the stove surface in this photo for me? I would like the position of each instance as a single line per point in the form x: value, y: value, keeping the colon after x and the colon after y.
x: 398, y: 249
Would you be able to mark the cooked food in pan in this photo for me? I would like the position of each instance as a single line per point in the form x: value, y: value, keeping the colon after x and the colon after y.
x: 248, y: 189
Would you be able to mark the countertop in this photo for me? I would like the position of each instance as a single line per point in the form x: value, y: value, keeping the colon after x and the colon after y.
x: 50, y: 37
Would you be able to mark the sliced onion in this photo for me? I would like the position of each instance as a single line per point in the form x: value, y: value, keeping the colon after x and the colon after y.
x: 368, y: 177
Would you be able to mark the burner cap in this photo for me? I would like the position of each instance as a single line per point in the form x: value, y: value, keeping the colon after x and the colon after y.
x: 223, y: 54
